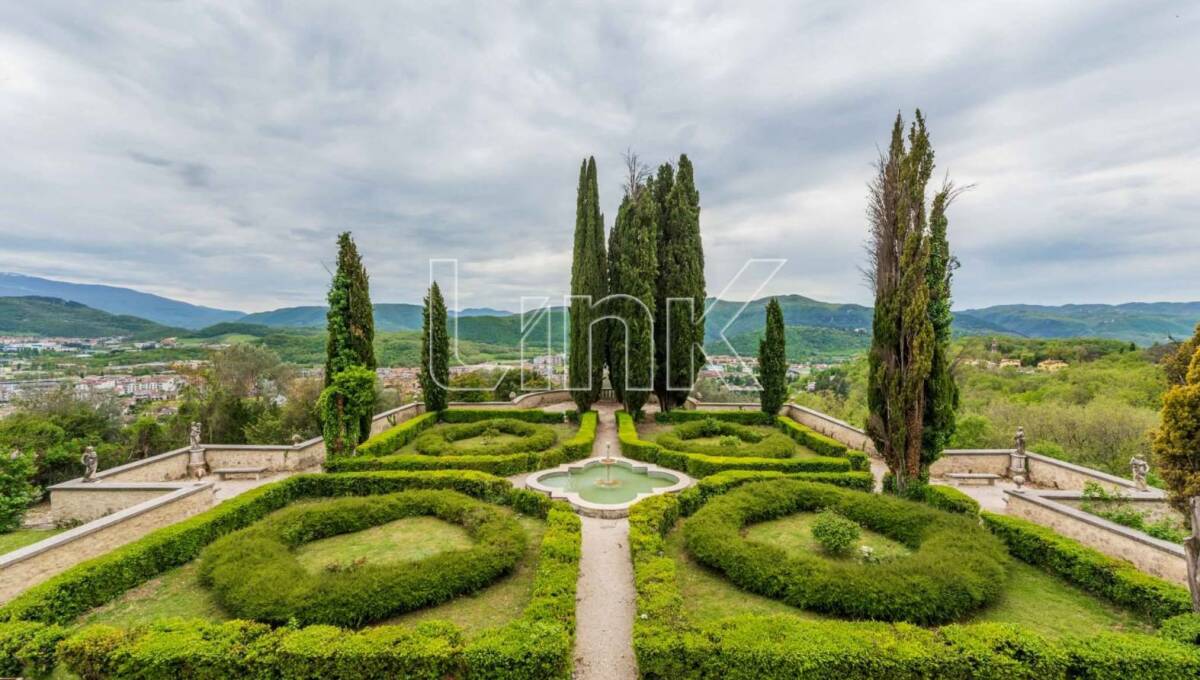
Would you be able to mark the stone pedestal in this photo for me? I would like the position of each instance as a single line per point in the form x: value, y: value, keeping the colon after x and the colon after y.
x: 197, y: 464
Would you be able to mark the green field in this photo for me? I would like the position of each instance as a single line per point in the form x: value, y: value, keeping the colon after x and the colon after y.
x: 23, y: 537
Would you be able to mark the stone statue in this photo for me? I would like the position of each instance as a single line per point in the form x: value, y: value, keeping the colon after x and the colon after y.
x: 1140, y: 468
x: 1019, y: 440
x: 90, y: 460
x: 296, y: 439
x: 1017, y: 467
x: 194, y: 436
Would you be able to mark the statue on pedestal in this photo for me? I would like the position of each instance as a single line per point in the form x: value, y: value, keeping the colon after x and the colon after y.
x: 1017, y: 459
x: 1140, y: 468
x: 197, y: 464
x: 90, y: 460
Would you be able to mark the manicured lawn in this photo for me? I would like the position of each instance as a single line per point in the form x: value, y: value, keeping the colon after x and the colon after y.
x: 23, y: 537
x: 1033, y: 598
x: 793, y: 533
x: 563, y: 432
x: 649, y: 432
x: 178, y: 593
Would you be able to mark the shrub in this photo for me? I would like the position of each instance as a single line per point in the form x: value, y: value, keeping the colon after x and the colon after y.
x: 1089, y: 569
x: 949, y: 499
x: 956, y: 566
x: 1183, y: 628
x: 254, y: 574
x: 742, y: 440
x: 714, y: 485
x: 528, y: 415
x: 441, y: 442
x: 677, y: 416
x: 16, y: 493
x: 787, y: 648
x: 821, y: 444
x: 397, y: 437
x: 836, y: 534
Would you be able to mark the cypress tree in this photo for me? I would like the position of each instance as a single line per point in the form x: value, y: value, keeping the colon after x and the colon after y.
x: 633, y: 266
x: 435, y: 351
x: 681, y: 277
x: 660, y: 189
x: 902, y: 339
x: 772, y: 361
x: 941, y: 392
x: 589, y: 276
x: 350, y: 322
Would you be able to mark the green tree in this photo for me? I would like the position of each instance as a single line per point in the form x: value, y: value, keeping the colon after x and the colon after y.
x: 1177, y: 441
x: 435, y: 351
x: 902, y: 340
x: 146, y: 437
x: 633, y: 269
x: 772, y: 361
x: 1176, y: 363
x: 350, y: 320
x: 589, y: 273
x: 678, y: 328
x: 16, y: 493
x: 342, y: 406
x: 941, y: 391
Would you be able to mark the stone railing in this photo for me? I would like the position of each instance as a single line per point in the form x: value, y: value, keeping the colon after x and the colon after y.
x: 1151, y: 555
x: 1042, y: 471
x: 28, y: 566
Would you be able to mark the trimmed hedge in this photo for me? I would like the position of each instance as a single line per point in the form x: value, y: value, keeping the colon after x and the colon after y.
x: 1183, y: 628
x: 755, y: 417
x: 714, y: 485
x: 700, y: 465
x: 956, y: 567
x: 537, y: 645
x: 397, y: 437
x: 821, y: 444
x: 440, y: 442
x: 787, y: 648
x: 254, y: 573
x: 1095, y: 572
x: 950, y: 499
x: 577, y: 447
x: 528, y: 415
x: 753, y: 443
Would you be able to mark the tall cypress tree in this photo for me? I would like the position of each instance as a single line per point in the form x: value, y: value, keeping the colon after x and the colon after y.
x: 772, y: 361
x: 902, y: 343
x: 589, y: 277
x: 660, y: 189
x: 941, y: 392
x: 633, y: 271
x: 681, y: 278
x: 350, y: 321
x: 435, y: 351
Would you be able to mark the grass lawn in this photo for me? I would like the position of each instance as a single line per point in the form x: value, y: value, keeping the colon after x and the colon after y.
x: 794, y: 534
x: 178, y: 592
x: 649, y: 431
x: 1033, y: 598
x: 23, y: 537
x: 561, y: 431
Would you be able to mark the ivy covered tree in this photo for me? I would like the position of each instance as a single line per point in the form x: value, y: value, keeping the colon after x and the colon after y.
x: 772, y: 361
x: 435, y: 351
x: 679, y: 356
x: 902, y: 344
x: 350, y: 322
x: 633, y: 267
x: 343, y: 405
x: 589, y: 280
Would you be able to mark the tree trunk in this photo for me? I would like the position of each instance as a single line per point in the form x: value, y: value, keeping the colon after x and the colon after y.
x: 1192, y: 547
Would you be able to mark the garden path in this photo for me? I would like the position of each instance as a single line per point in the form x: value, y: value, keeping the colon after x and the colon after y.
x: 605, y: 598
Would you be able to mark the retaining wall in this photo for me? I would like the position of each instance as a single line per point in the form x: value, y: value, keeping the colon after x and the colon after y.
x: 1149, y: 554
x: 29, y: 566
x: 829, y: 426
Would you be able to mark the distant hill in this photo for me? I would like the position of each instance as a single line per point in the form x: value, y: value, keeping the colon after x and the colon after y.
x: 44, y: 316
x: 388, y: 316
x: 116, y: 300
x: 1141, y: 322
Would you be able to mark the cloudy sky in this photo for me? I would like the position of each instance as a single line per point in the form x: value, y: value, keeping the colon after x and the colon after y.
x: 212, y: 151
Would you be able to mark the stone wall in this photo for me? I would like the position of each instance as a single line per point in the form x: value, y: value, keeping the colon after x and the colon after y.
x: 84, y: 502
x: 540, y: 399
x: 389, y: 419
x: 986, y: 461
x: 1159, y: 558
x: 1059, y: 474
x: 829, y: 426
x: 162, y: 467
x: 274, y: 458
x: 29, y: 566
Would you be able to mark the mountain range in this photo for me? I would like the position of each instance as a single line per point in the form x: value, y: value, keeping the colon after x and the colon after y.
x: 820, y: 326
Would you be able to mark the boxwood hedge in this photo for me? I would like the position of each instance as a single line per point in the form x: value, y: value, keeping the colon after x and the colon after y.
x: 701, y: 465
x: 821, y: 444
x: 669, y: 646
x: 254, y: 573
x: 530, y: 437
x: 537, y: 645
x: 399, y: 436
x: 742, y: 417
x: 714, y: 485
x: 577, y: 447
x: 749, y: 441
x: 956, y: 567
x: 1090, y: 569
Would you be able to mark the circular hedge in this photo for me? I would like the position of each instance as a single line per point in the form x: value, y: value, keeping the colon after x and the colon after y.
x: 744, y: 441
x: 441, y: 441
x: 956, y: 567
x: 254, y: 573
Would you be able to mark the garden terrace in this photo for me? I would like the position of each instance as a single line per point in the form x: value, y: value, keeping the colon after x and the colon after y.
x: 503, y: 443
x: 117, y: 615
x: 1061, y: 610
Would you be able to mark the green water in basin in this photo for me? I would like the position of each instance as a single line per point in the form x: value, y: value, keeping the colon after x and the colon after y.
x: 628, y: 483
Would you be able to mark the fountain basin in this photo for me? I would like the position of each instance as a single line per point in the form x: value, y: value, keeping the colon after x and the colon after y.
x: 583, y: 485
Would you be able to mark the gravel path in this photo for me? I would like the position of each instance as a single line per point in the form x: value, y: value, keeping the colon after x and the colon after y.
x: 604, y: 607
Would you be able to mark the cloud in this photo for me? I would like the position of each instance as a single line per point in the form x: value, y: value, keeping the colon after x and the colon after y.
x: 212, y: 152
